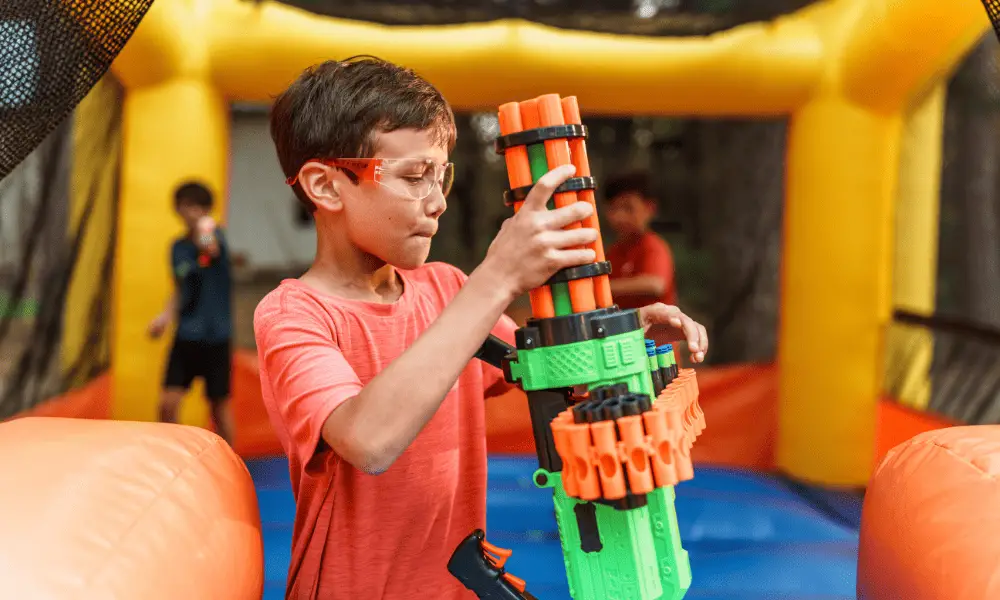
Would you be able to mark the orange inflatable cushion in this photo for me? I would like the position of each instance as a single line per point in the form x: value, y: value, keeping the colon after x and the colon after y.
x: 930, y: 528
x: 103, y: 509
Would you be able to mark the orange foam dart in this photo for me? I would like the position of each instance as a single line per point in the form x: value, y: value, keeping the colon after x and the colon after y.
x: 685, y: 470
x: 695, y: 416
x: 550, y: 112
x: 609, y: 465
x: 578, y: 152
x: 700, y: 416
x: 560, y: 435
x: 662, y: 458
x: 675, y: 410
x: 684, y: 385
x: 640, y: 477
x: 588, y: 487
x: 519, y: 174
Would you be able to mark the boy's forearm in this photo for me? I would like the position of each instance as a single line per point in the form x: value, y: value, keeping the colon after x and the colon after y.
x: 652, y: 285
x: 386, y: 416
x: 170, y: 310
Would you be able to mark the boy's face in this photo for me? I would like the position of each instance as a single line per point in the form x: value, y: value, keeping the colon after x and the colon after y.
x: 385, y: 223
x: 190, y: 213
x: 629, y: 213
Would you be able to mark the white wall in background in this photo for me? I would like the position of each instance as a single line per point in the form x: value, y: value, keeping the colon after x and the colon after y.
x: 262, y: 216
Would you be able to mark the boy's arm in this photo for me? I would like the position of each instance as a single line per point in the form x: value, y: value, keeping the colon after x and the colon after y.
x: 179, y: 267
x: 373, y: 428
x: 639, y: 285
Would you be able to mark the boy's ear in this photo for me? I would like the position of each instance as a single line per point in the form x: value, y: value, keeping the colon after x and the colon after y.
x: 320, y: 184
x: 652, y: 206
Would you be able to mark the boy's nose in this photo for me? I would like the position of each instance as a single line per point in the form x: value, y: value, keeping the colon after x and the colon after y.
x: 435, y: 204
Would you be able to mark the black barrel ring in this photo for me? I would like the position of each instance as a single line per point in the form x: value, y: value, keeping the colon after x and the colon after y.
x: 573, y: 184
x: 581, y: 272
x: 539, y: 135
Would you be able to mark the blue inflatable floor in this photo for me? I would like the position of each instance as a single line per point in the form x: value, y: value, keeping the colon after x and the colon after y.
x: 749, y: 536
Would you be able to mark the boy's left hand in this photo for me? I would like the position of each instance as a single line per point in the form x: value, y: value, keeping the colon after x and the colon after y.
x: 671, y: 317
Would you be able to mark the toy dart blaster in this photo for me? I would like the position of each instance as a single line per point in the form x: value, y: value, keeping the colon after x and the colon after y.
x: 610, y: 454
x: 479, y: 566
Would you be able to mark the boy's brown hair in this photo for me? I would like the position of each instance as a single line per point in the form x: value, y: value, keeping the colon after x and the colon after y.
x: 630, y: 182
x: 336, y: 108
x: 193, y: 192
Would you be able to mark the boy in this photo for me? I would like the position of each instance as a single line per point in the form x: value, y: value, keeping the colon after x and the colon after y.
x: 201, y: 304
x: 642, y: 265
x: 365, y: 360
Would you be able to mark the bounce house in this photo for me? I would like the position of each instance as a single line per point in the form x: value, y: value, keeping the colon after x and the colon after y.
x: 120, y: 507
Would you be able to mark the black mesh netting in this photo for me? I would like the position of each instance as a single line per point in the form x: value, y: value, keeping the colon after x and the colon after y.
x: 58, y: 211
x: 963, y: 368
x: 947, y: 358
x: 51, y: 54
x: 629, y: 17
x: 993, y: 9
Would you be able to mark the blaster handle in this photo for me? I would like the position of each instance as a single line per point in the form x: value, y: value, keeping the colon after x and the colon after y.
x: 494, y: 351
x: 482, y: 574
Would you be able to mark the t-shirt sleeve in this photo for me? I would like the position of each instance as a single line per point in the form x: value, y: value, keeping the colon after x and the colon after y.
x: 656, y: 260
x: 308, y: 375
x: 182, y: 263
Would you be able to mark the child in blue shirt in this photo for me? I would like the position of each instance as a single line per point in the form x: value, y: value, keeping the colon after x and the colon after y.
x: 201, y: 305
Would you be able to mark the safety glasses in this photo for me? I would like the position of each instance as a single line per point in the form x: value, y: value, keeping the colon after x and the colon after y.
x: 413, y: 178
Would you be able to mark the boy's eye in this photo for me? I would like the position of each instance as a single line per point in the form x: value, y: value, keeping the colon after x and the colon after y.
x: 413, y: 180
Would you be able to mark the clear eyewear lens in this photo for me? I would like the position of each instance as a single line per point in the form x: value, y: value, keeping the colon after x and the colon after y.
x: 415, y: 178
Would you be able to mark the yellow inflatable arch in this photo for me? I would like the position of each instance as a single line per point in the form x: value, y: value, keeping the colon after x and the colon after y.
x: 849, y: 72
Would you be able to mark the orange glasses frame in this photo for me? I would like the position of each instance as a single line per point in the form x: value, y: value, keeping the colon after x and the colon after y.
x: 365, y: 169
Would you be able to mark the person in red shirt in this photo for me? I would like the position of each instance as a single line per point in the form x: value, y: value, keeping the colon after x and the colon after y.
x: 642, y: 266
x: 366, y: 359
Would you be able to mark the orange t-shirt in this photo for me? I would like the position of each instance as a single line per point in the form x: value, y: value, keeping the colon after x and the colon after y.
x: 646, y: 255
x: 360, y: 536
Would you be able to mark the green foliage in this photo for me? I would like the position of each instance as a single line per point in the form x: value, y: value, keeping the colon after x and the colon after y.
x: 25, y: 309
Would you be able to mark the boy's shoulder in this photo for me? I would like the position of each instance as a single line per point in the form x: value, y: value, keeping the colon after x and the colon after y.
x: 654, y: 240
x: 439, y: 271
x: 437, y: 280
x: 289, y: 297
x: 293, y: 298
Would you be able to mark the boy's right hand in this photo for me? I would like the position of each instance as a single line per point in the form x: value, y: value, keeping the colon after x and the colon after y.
x: 158, y: 326
x: 532, y: 245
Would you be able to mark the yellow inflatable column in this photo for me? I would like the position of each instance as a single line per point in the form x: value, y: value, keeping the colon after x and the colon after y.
x: 176, y: 130
x: 909, y: 350
x: 842, y: 172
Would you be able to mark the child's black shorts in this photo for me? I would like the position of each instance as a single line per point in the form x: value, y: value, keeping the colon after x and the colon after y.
x: 212, y: 362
